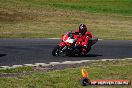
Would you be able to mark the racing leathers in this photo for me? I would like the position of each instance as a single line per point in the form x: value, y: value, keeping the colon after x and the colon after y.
x: 82, y: 40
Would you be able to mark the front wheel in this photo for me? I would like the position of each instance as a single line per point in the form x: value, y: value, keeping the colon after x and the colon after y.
x: 55, y: 51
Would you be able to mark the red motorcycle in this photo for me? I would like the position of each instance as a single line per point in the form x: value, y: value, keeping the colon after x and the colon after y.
x: 70, y: 45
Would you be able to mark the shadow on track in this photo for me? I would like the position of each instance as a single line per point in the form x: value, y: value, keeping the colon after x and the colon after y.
x: 2, y: 55
x: 93, y: 55
x: 89, y: 55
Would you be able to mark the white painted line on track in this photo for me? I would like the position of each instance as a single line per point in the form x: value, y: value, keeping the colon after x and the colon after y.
x: 85, y: 61
x: 107, y: 59
x: 53, y: 38
x: 14, y: 66
x: 29, y: 65
x: 77, y: 62
x: 129, y: 58
x: 67, y: 62
x: 54, y: 63
x: 4, y: 67
x: 41, y: 64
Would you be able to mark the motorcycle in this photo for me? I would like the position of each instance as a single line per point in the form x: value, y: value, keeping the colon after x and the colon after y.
x: 70, y: 45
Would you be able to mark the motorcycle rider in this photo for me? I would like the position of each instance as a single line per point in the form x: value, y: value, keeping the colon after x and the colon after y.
x: 77, y: 42
x: 83, y: 37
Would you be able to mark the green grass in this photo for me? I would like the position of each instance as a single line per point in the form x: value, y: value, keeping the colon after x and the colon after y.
x: 17, y: 70
x: 97, y: 6
x: 51, y: 18
x: 69, y: 78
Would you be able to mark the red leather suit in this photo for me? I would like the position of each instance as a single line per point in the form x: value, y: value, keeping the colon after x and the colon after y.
x: 82, y: 39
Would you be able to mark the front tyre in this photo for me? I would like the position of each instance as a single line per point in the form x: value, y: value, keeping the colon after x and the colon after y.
x: 55, y: 51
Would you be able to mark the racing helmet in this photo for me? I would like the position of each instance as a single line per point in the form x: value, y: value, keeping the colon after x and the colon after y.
x: 82, y: 29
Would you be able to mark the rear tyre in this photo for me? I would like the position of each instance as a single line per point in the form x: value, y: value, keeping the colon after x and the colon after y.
x: 88, y: 49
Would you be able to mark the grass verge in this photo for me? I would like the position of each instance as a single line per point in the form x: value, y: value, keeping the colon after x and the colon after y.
x: 43, y: 19
x: 69, y: 78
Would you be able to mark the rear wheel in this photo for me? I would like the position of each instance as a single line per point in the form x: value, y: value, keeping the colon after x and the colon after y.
x: 88, y: 49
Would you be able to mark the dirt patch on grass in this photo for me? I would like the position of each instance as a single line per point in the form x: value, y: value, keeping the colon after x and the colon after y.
x: 41, y: 69
x: 15, y: 16
x: 57, y: 67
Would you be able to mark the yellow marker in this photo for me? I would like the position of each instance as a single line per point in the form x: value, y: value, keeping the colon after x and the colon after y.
x: 84, y: 73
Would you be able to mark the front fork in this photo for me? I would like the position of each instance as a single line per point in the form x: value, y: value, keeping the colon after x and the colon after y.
x: 63, y: 48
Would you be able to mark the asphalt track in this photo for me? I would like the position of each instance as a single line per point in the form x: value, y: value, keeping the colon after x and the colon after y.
x: 30, y: 51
